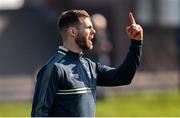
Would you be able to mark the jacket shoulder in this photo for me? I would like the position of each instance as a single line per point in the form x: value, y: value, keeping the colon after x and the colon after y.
x: 48, y: 67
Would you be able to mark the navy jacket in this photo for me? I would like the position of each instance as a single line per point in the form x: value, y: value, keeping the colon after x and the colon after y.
x: 66, y: 85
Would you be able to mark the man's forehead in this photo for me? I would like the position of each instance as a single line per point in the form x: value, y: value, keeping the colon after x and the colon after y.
x: 85, y: 21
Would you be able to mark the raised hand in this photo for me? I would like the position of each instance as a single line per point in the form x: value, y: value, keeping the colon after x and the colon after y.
x: 134, y: 31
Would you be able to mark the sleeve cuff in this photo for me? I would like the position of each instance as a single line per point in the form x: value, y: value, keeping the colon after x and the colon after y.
x: 136, y: 43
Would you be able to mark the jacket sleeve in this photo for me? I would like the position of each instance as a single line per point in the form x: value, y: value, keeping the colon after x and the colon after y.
x: 45, y: 91
x: 123, y: 75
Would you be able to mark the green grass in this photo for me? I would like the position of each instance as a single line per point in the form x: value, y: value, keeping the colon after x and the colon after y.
x: 134, y: 104
x: 18, y: 109
x: 149, y: 104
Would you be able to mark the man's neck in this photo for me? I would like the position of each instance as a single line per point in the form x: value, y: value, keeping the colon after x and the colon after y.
x: 72, y: 47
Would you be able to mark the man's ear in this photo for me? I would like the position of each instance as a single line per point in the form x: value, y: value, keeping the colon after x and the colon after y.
x: 72, y: 31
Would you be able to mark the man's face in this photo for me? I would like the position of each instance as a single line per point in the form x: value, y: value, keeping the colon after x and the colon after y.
x: 85, y: 34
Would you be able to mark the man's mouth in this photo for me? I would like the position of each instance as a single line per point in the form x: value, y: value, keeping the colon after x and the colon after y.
x: 91, y: 37
x: 90, y: 41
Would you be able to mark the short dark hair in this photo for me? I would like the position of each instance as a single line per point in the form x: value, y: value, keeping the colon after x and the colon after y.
x: 70, y: 18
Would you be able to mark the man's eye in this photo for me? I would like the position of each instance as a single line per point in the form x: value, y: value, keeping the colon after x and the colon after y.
x: 90, y: 27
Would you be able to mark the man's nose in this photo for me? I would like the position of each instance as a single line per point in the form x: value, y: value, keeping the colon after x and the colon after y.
x: 94, y: 31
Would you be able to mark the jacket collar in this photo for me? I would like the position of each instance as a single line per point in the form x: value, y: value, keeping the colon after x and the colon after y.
x: 69, y: 53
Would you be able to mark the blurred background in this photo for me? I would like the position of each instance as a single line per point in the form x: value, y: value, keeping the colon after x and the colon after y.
x: 29, y: 36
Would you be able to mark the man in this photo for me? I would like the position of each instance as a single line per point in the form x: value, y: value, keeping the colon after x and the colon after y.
x: 66, y: 85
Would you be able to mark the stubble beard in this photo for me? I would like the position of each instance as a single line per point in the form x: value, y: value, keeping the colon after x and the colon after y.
x: 81, y: 42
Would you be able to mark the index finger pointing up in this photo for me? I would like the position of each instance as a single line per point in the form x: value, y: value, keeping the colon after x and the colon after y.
x: 131, y: 18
